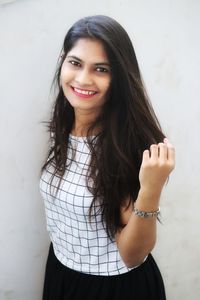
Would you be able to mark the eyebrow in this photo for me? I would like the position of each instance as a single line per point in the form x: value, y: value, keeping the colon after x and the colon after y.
x: 96, y: 64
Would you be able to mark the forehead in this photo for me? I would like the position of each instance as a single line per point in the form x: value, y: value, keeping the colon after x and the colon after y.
x: 89, y: 50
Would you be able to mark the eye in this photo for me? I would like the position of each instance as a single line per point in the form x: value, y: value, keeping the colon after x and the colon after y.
x: 102, y: 70
x: 74, y: 63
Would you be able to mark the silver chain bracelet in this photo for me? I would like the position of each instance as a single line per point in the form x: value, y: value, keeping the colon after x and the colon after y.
x: 145, y: 214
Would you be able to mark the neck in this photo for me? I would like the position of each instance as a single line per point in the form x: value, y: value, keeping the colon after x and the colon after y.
x: 83, y: 121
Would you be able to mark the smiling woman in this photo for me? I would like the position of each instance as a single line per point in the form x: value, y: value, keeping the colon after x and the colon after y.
x: 104, y: 173
x: 85, y: 79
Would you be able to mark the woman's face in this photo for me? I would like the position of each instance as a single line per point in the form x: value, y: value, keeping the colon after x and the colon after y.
x: 86, y: 76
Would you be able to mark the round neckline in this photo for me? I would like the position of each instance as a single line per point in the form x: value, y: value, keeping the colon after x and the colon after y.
x: 80, y: 138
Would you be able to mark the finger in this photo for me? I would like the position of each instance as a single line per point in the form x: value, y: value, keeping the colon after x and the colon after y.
x: 162, y: 151
x: 170, y: 150
x: 154, y: 152
x: 171, y: 154
x: 146, y: 155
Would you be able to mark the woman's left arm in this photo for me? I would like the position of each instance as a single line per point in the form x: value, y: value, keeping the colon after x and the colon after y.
x: 137, y: 239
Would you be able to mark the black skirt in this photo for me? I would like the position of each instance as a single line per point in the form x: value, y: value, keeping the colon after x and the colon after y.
x: 143, y: 283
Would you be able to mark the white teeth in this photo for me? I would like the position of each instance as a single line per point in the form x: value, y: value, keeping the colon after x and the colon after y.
x: 84, y: 92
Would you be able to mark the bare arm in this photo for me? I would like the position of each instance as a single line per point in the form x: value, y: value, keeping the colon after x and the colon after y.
x: 138, y: 237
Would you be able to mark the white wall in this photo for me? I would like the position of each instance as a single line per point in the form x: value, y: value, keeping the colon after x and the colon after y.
x: 166, y: 38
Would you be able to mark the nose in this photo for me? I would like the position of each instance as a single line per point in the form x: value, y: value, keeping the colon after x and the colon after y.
x: 83, y: 77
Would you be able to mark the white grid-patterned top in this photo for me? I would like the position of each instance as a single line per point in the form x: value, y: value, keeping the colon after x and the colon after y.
x: 78, y: 244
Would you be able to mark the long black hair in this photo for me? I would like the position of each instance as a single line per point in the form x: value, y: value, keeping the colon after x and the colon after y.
x: 127, y: 121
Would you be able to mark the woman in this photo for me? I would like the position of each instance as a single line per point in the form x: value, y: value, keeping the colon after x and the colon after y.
x: 105, y: 170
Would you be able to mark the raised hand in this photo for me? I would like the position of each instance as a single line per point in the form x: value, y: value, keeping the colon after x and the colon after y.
x: 157, y: 164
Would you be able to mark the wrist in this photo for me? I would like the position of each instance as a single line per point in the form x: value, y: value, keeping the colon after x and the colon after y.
x: 153, y: 194
x: 148, y: 200
x: 147, y: 214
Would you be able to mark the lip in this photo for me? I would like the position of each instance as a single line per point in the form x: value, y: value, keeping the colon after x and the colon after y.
x: 83, y: 95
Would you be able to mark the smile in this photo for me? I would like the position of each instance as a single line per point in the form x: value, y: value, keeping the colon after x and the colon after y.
x: 83, y: 93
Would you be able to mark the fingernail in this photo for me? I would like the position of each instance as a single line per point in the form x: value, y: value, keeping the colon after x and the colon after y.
x: 166, y: 140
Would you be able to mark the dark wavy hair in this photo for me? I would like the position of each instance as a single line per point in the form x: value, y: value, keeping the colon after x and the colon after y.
x: 127, y: 121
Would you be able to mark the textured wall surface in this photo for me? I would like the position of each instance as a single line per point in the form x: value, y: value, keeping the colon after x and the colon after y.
x: 166, y: 39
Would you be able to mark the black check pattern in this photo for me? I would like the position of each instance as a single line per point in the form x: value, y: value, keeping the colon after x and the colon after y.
x: 78, y: 243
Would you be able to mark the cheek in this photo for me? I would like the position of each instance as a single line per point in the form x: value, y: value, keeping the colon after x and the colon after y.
x: 106, y: 85
x: 62, y: 76
x: 65, y: 78
x: 65, y: 74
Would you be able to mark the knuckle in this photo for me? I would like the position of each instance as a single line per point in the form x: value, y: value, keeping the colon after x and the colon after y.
x: 161, y: 145
x: 153, y: 146
x: 172, y: 148
x: 146, y: 152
